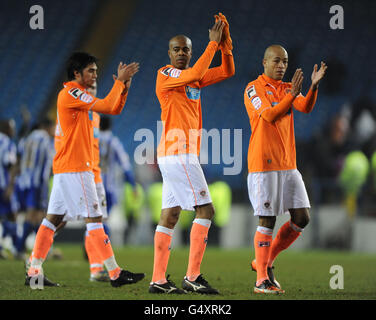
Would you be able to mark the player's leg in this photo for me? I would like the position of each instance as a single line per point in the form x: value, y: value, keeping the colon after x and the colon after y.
x: 97, y: 271
x: 162, y: 247
x: 100, y: 240
x: 194, y: 280
x: 263, y: 190
x: 289, y: 232
x: 42, y: 245
x: 296, y: 200
x: 199, y: 239
x: 36, y: 203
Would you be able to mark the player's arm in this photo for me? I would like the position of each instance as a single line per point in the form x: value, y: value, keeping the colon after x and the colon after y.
x: 255, y: 98
x: 123, y: 97
x: 306, y: 104
x: 217, y: 74
x: 227, y: 68
x: 173, y: 78
x: 114, y: 104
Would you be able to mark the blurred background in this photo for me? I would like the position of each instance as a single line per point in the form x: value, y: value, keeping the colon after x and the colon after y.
x: 336, y: 143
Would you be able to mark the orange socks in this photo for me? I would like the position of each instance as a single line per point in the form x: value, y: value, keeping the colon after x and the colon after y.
x: 43, y: 242
x: 262, y: 243
x: 162, y: 242
x: 286, y: 235
x: 95, y: 261
x: 102, y: 245
x: 198, y: 240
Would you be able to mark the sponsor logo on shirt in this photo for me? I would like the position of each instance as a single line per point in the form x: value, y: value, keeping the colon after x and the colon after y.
x: 172, y: 72
x: 75, y: 92
x: 251, y: 91
x: 192, y: 93
x: 256, y: 101
x: 85, y: 97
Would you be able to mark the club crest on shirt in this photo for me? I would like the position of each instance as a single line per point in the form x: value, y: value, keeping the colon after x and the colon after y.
x: 203, y: 193
x: 251, y: 91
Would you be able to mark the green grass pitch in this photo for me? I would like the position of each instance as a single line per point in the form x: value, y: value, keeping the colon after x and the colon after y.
x: 305, y: 275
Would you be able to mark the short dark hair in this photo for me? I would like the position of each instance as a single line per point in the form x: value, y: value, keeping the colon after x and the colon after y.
x: 78, y: 61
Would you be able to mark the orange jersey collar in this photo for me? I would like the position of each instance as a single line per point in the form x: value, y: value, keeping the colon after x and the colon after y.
x: 74, y: 84
x: 267, y: 80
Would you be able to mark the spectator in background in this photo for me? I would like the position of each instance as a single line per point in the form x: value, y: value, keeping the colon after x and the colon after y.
x: 8, y: 170
x: 35, y: 173
x: 328, y: 150
x: 363, y: 125
x: 114, y: 163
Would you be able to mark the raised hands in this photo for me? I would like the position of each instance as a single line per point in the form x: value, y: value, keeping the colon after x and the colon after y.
x: 317, y: 75
x: 215, y: 33
x: 126, y: 72
x: 296, y: 82
x: 226, y: 41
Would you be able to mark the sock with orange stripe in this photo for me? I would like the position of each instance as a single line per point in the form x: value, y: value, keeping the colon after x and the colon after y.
x: 198, y: 241
x: 262, y: 242
x: 162, y: 243
x: 95, y: 261
x: 102, y: 245
x: 286, y: 235
x: 43, y: 243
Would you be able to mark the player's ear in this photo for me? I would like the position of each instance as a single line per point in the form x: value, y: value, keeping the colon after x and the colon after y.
x: 77, y: 75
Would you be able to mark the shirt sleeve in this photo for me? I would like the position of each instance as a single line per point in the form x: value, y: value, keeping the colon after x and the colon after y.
x: 170, y: 77
x: 305, y: 104
x: 217, y: 74
x: 255, y: 99
x: 76, y: 98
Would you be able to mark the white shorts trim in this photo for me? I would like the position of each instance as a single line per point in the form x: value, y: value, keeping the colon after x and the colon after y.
x: 273, y: 193
x: 184, y: 183
x: 74, y: 195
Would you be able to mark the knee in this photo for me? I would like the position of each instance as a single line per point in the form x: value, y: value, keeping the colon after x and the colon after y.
x: 205, y: 212
x: 301, y: 220
x: 267, y: 222
x: 169, y: 218
x: 55, y: 219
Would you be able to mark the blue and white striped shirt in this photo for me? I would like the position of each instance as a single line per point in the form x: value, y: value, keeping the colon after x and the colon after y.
x: 8, y: 158
x: 36, y: 161
x: 114, y: 163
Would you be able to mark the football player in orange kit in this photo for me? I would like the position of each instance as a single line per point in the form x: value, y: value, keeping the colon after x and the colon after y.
x: 178, y: 90
x: 73, y: 192
x: 275, y: 186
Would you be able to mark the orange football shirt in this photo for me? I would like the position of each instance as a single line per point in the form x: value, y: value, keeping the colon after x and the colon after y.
x: 269, y: 105
x: 74, y: 135
x: 96, y: 154
x: 179, y: 95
